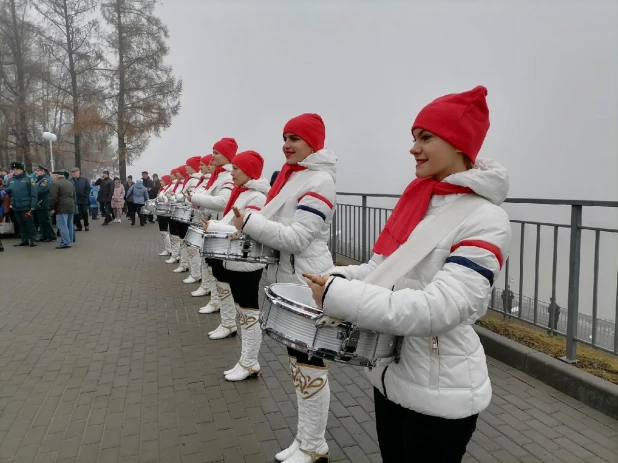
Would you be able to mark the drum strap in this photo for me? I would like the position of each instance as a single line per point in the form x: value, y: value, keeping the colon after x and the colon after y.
x: 291, y: 188
x: 422, y: 241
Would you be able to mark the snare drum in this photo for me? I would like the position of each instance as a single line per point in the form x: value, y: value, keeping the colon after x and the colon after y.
x: 289, y: 315
x: 195, y: 237
x: 149, y: 207
x: 182, y: 214
x: 162, y: 209
x: 217, y: 245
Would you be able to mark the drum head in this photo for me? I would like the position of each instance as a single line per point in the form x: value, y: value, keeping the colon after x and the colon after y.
x: 299, y: 294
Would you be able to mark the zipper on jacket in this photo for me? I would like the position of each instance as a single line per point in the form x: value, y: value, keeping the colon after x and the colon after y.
x: 434, y: 363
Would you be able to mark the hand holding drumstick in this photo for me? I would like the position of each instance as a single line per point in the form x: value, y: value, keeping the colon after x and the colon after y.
x: 317, y: 284
x: 239, y: 219
x: 204, y: 224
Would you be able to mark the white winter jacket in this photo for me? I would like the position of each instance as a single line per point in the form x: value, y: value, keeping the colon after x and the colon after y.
x: 442, y: 371
x: 215, y: 200
x: 300, y: 229
x: 188, y: 188
x: 251, y: 200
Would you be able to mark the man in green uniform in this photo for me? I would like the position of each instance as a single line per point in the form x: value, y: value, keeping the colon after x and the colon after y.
x: 23, y: 193
x: 41, y: 214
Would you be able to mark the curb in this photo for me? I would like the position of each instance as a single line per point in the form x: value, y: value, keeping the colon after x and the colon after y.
x: 583, y: 386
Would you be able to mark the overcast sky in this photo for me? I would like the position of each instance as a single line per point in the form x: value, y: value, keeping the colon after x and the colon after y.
x: 551, y: 68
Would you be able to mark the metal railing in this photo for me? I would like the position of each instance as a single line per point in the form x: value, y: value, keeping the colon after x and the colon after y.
x: 356, y: 227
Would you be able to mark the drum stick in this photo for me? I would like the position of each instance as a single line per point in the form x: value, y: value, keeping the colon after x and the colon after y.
x: 236, y: 211
x: 318, y: 280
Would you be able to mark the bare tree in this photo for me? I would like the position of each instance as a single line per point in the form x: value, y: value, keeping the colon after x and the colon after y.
x: 144, y: 94
x: 16, y: 70
x: 72, y: 41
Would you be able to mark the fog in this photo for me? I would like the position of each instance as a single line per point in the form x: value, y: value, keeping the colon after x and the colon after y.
x: 551, y: 69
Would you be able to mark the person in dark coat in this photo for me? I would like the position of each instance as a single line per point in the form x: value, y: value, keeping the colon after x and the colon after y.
x: 152, y: 192
x: 41, y: 214
x: 82, y: 190
x: 106, y: 190
x: 553, y: 311
x: 127, y: 185
x: 22, y: 191
x: 62, y: 203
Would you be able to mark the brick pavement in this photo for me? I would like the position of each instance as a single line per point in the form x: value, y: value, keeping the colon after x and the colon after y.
x: 103, y: 357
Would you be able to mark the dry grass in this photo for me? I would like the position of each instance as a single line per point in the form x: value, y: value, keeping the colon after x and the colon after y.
x: 591, y: 360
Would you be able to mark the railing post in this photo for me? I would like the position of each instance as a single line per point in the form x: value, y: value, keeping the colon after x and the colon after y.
x: 364, y: 229
x: 573, y: 299
x: 333, y: 236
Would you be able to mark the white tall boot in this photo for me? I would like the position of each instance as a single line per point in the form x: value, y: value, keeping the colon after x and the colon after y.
x: 206, y: 284
x: 292, y: 449
x: 313, y: 391
x: 215, y: 298
x: 175, y: 245
x: 167, y: 251
x: 184, y: 258
x: 248, y: 364
x: 228, y: 313
x: 194, y: 265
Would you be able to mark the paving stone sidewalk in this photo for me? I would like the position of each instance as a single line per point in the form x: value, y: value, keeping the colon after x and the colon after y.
x: 103, y: 358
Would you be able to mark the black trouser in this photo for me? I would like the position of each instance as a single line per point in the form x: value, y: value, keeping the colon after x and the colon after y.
x: 84, y: 210
x: 26, y: 225
x: 163, y: 223
x: 106, y: 208
x: 405, y: 435
x: 45, y: 227
x: 134, y: 209
x: 245, y: 286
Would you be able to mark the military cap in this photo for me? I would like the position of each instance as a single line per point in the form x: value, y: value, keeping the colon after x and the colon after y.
x: 17, y: 165
x: 40, y: 167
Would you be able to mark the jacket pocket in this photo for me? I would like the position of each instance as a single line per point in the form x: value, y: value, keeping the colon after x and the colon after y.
x: 434, y: 362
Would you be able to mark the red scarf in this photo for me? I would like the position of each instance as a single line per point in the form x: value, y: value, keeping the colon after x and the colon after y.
x: 202, y: 178
x: 175, y: 186
x: 213, y: 176
x: 286, y: 172
x: 233, y: 197
x: 410, y: 210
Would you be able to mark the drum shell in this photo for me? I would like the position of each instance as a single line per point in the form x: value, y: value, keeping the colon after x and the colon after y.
x: 162, y: 209
x: 217, y: 245
x: 194, y: 237
x: 182, y: 214
x: 293, y: 324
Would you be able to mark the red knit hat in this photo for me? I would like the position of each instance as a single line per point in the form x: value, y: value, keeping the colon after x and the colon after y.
x: 167, y: 179
x: 462, y: 119
x: 250, y: 162
x: 206, y: 160
x: 182, y: 170
x: 309, y: 127
x: 194, y: 163
x: 227, y: 147
x: 174, y: 171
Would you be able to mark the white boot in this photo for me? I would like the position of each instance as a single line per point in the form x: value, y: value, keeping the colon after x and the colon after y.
x: 207, y: 282
x: 175, y: 247
x: 211, y: 285
x: 228, y: 313
x: 313, y: 396
x: 167, y: 250
x: 251, y: 342
x: 195, y: 265
x: 184, y: 258
x: 291, y: 450
x: 201, y: 291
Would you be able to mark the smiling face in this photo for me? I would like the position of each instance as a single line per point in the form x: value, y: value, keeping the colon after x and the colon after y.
x: 435, y: 157
x: 239, y: 177
x: 295, y: 148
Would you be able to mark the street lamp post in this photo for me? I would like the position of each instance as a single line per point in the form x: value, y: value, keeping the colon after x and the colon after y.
x: 51, y: 138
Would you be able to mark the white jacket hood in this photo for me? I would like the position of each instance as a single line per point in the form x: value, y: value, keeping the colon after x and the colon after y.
x: 324, y: 160
x: 488, y: 179
x: 260, y: 184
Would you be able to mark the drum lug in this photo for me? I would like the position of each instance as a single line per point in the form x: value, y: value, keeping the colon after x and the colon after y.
x: 350, y: 340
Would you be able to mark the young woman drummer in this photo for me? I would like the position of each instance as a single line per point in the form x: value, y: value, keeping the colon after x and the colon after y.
x: 300, y: 231
x: 195, y: 267
x: 249, y: 193
x: 166, y: 184
x: 211, y: 201
x: 175, y: 226
x: 427, y: 404
x: 207, y: 285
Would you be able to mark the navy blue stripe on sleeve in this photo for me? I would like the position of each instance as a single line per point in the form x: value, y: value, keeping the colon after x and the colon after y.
x: 312, y: 210
x: 465, y: 262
